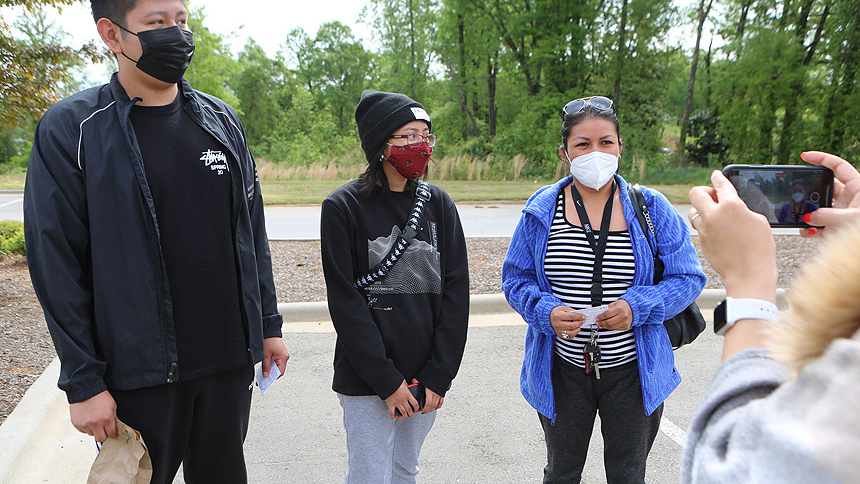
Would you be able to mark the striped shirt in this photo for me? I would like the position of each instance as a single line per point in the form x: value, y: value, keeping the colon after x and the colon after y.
x: 569, y: 265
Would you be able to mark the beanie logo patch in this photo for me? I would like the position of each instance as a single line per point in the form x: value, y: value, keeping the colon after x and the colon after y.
x: 420, y: 113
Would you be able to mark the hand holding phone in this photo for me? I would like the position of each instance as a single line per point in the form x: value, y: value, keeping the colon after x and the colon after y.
x: 846, y: 193
x: 784, y: 194
x: 738, y: 243
x: 418, y: 393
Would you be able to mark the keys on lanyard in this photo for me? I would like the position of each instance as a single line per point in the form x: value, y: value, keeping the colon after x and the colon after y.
x: 592, y: 355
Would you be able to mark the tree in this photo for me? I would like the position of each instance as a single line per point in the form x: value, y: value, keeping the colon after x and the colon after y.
x: 469, y: 48
x: 334, y: 67
x: 703, y: 12
x: 33, y: 71
x: 799, y: 70
x: 260, y: 85
x: 840, y: 112
x: 406, y: 31
x: 213, y: 63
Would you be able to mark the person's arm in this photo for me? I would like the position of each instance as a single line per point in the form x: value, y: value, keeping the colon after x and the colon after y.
x: 57, y: 237
x: 357, y: 333
x: 272, y: 319
x: 274, y: 350
x: 56, y: 226
x: 725, y: 440
x: 450, y: 329
x: 541, y: 310
x: 739, y: 245
x: 683, y: 278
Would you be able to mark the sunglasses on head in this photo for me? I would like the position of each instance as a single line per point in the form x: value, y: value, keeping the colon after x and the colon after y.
x: 576, y: 106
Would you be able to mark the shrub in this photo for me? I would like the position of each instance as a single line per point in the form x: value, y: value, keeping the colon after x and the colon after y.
x: 12, y: 237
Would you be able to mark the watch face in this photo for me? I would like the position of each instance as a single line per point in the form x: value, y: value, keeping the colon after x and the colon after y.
x: 720, y: 317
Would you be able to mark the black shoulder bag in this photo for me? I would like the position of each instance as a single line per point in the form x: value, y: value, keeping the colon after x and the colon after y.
x: 410, y: 231
x: 684, y: 327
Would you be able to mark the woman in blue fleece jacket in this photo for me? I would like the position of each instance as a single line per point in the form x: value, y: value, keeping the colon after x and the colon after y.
x: 578, y: 245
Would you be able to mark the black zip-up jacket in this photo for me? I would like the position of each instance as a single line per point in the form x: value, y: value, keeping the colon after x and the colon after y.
x: 93, y: 244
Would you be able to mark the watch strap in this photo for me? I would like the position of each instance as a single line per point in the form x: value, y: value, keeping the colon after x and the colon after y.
x: 737, y: 309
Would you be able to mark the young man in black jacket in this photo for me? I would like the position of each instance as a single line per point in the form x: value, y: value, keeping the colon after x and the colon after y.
x: 147, y: 248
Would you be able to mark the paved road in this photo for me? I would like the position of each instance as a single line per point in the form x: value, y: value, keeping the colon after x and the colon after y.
x: 492, y: 219
x: 485, y: 433
x: 11, y: 206
x: 302, y: 222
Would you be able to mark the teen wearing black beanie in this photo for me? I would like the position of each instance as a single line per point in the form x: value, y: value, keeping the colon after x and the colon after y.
x: 394, y: 259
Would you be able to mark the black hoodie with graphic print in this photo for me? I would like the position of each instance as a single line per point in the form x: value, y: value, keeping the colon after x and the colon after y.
x: 412, y: 323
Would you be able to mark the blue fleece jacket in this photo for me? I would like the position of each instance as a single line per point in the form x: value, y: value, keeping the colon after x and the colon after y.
x: 528, y: 292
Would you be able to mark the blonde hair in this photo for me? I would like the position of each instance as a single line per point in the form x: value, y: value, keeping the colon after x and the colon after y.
x: 824, y: 302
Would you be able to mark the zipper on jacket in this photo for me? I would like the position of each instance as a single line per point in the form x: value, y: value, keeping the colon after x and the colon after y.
x: 171, y: 365
x: 171, y: 373
x: 240, y: 272
x: 156, y: 250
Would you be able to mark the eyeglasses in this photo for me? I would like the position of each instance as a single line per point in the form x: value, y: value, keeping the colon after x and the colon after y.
x: 576, y: 106
x: 416, y: 139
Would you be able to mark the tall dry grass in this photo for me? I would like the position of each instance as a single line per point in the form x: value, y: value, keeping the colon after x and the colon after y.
x: 451, y: 167
x: 472, y: 168
x: 268, y: 170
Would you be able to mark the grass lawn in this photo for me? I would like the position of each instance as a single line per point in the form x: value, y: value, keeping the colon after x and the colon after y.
x: 314, y: 191
x: 12, y: 182
x: 286, y: 192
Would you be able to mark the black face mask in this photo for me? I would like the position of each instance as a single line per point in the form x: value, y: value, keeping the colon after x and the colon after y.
x: 165, y: 53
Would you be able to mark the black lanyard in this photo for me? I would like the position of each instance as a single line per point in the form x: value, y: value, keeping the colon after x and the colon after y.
x: 598, y: 246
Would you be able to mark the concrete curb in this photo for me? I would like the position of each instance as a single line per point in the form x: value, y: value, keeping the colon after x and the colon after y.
x: 303, y: 312
x: 479, y: 304
x: 38, y: 441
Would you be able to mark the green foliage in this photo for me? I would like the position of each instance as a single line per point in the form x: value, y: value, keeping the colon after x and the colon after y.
x: 213, y: 62
x: 12, y: 145
x: 707, y: 143
x: 334, y: 67
x: 12, y: 238
x: 494, y: 76
x: 261, y: 85
x: 659, y: 170
x: 406, y: 29
x: 787, y: 81
x: 37, y: 69
x: 305, y: 135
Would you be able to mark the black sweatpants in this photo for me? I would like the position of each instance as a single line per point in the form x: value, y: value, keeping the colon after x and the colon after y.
x: 201, y: 423
x: 627, y: 432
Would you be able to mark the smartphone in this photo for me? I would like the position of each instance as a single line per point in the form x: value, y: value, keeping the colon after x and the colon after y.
x: 783, y: 193
x: 418, y: 393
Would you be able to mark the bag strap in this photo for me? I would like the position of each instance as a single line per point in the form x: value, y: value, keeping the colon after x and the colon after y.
x: 410, y: 231
x: 642, y: 214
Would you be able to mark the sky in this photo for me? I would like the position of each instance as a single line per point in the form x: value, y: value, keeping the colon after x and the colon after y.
x: 267, y: 21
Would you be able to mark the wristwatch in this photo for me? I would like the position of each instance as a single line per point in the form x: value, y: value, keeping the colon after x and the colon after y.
x: 731, y: 310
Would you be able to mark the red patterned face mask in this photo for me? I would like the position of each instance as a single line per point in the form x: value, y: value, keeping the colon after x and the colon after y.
x: 410, y: 160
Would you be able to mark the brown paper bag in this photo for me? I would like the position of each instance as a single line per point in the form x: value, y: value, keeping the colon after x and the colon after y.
x: 123, y: 460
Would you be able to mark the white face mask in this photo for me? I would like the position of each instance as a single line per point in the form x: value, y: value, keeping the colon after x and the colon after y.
x: 797, y: 197
x: 594, y: 169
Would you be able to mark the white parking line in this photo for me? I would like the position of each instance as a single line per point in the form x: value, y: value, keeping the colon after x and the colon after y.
x: 10, y: 203
x: 673, y: 431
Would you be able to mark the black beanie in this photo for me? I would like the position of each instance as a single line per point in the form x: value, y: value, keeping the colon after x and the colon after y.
x: 379, y: 114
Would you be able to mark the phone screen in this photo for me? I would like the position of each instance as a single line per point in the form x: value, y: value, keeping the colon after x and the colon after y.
x: 782, y: 193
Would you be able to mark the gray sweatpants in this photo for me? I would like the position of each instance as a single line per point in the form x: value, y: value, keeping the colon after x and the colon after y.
x: 381, y: 450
